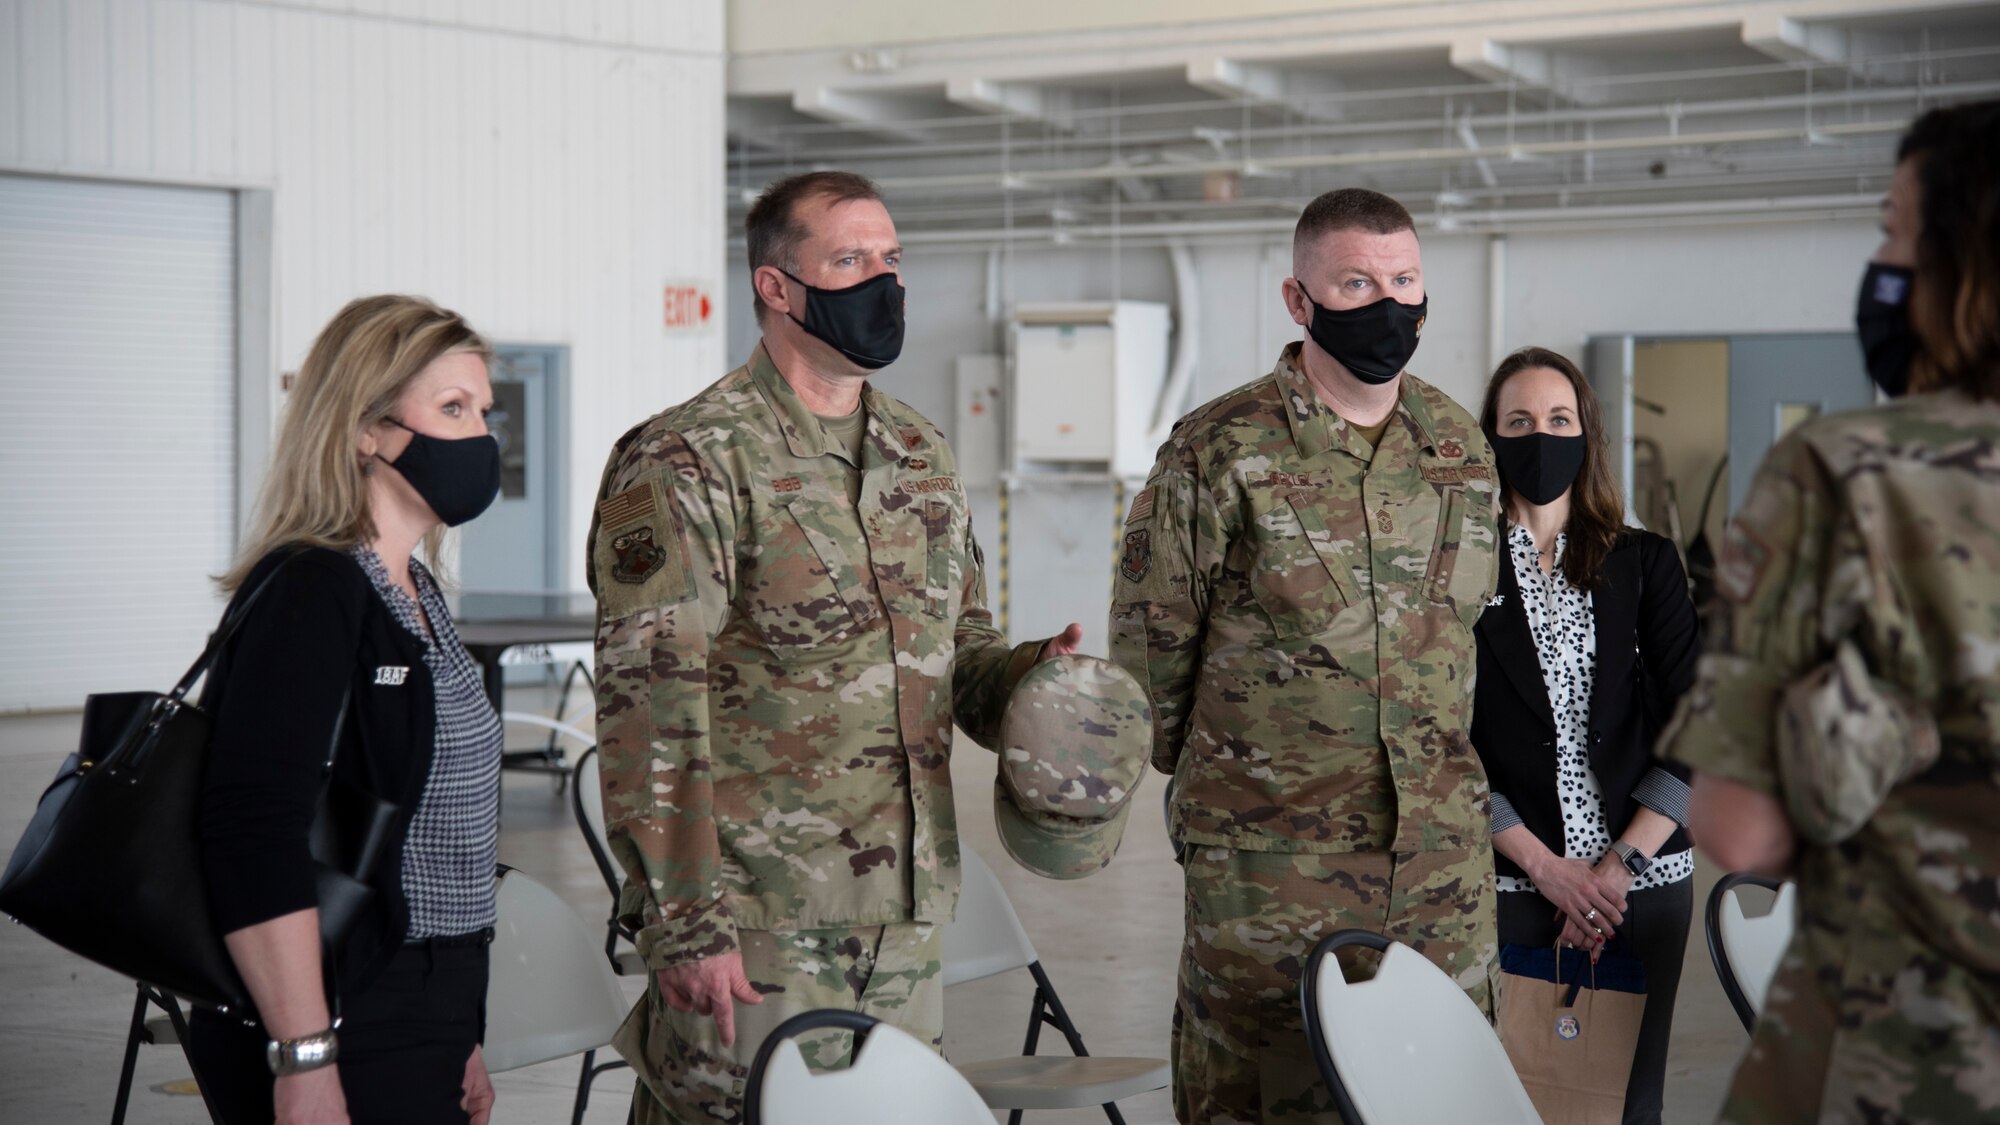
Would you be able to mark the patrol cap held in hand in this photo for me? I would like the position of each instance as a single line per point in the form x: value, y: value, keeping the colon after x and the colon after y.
x: 1073, y: 742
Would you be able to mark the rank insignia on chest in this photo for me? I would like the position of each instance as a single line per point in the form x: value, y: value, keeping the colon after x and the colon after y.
x: 1138, y: 557
x: 1567, y: 1027
x: 912, y: 439
x: 1450, y: 447
x: 638, y: 557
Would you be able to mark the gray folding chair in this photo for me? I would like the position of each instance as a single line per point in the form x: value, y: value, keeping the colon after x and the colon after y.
x: 586, y: 802
x: 1746, y: 950
x: 549, y: 995
x: 894, y: 1080
x: 986, y: 939
x: 1408, y: 1045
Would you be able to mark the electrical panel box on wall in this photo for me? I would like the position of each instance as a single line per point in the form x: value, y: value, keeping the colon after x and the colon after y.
x: 1086, y: 383
x: 978, y: 430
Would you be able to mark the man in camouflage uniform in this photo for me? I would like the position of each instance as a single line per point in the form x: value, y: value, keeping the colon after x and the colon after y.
x: 1297, y: 592
x: 1873, y: 531
x: 791, y: 612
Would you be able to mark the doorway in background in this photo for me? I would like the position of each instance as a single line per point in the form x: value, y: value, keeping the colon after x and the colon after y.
x: 515, y: 549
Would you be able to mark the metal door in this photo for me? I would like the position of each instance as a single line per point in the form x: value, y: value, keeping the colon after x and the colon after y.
x: 1780, y: 379
x: 516, y: 546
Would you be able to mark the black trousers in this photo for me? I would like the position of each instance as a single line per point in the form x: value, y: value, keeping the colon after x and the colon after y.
x: 1655, y: 932
x: 404, y: 1042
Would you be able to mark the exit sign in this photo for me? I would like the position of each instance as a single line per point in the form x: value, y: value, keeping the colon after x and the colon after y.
x: 687, y: 307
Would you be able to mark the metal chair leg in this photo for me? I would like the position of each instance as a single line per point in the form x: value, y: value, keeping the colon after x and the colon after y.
x: 168, y: 1005
x: 132, y: 1039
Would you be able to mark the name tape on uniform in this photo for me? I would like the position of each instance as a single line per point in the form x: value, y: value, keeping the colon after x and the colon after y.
x: 1456, y: 474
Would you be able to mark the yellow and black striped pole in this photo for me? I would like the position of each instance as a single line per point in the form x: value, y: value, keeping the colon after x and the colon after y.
x: 1117, y: 530
x: 1006, y: 549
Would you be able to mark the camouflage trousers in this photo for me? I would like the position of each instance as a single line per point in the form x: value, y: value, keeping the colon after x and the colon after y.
x: 686, y: 1077
x: 1864, y: 1023
x: 1239, y: 1046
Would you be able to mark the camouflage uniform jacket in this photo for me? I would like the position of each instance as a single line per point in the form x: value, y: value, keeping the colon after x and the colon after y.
x: 778, y: 669
x: 1300, y: 608
x: 1876, y: 527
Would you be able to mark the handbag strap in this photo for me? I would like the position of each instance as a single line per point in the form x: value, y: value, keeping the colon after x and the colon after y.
x: 227, y: 629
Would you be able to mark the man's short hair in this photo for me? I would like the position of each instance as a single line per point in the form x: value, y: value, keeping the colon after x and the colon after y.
x: 771, y: 229
x: 1348, y: 209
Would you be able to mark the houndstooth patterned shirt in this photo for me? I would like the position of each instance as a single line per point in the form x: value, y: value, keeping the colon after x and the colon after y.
x: 454, y: 841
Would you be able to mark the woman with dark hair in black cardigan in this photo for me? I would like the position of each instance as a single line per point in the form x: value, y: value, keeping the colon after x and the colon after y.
x: 1589, y: 642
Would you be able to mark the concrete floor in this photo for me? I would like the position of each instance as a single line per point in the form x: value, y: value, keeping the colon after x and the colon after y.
x: 1109, y: 944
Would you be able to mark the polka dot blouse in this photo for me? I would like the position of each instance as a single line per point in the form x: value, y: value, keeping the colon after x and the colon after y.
x: 1565, y: 631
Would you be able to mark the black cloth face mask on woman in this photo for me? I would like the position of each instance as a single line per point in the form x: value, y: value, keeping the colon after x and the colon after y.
x: 1539, y: 467
x: 458, y: 477
x: 1882, y: 320
x: 862, y: 322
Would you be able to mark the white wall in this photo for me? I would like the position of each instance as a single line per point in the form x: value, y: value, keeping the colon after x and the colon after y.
x: 541, y: 166
x: 1559, y: 289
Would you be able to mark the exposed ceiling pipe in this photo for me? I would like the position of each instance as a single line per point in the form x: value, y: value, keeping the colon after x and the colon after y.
x: 1861, y: 204
x: 1253, y: 166
x: 1187, y: 344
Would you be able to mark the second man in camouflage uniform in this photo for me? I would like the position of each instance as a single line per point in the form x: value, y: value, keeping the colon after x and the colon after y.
x: 791, y: 613
x: 1297, y: 591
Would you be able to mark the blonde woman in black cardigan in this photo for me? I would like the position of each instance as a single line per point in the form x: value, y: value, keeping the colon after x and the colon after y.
x: 1589, y: 642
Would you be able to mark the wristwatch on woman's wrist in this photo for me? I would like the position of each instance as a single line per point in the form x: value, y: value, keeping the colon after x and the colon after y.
x: 307, y: 1052
x: 1634, y: 860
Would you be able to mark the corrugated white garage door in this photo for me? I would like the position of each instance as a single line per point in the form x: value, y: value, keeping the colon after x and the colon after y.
x: 117, y: 433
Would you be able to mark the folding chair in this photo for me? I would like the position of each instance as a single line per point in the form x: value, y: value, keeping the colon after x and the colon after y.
x: 1377, y: 1041
x: 894, y: 1080
x: 986, y: 939
x: 168, y: 1027
x: 549, y: 758
x: 549, y: 995
x: 586, y: 803
x: 1746, y: 950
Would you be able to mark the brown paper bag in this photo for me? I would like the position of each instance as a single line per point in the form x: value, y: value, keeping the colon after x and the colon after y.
x: 1573, y: 1060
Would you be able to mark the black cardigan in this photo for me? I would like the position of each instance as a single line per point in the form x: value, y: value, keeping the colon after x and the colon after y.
x: 274, y: 694
x: 1643, y: 614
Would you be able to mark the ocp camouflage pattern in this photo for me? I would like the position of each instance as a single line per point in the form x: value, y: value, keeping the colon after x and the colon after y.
x: 775, y: 696
x: 1073, y: 746
x: 1302, y: 618
x: 1879, y: 527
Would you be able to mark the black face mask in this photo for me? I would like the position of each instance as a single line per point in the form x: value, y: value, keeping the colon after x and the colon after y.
x: 1374, y: 342
x: 1539, y: 467
x: 862, y: 322
x: 1882, y: 320
x: 458, y: 477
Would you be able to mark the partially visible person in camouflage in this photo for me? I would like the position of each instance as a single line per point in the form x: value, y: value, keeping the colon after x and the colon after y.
x: 1297, y: 591
x: 791, y: 613
x: 1878, y: 528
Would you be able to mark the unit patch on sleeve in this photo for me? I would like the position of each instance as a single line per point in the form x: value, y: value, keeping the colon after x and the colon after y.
x: 638, y: 557
x: 1138, y: 558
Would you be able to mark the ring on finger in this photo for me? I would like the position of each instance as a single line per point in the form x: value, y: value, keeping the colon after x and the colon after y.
x: 1590, y: 914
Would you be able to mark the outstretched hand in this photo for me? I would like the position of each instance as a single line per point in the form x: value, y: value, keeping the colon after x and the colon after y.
x: 1064, y: 643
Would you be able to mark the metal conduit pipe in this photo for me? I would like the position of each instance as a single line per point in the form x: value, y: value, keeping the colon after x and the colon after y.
x: 1252, y: 166
x: 1187, y: 343
x: 1764, y: 207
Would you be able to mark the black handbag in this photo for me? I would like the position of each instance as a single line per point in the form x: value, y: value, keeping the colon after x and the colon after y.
x: 110, y: 865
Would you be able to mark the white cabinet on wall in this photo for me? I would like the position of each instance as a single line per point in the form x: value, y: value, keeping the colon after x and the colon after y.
x: 1087, y: 377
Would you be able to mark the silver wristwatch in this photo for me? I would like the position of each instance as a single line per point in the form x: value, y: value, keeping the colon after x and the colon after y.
x: 1634, y: 860
x: 296, y: 1056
